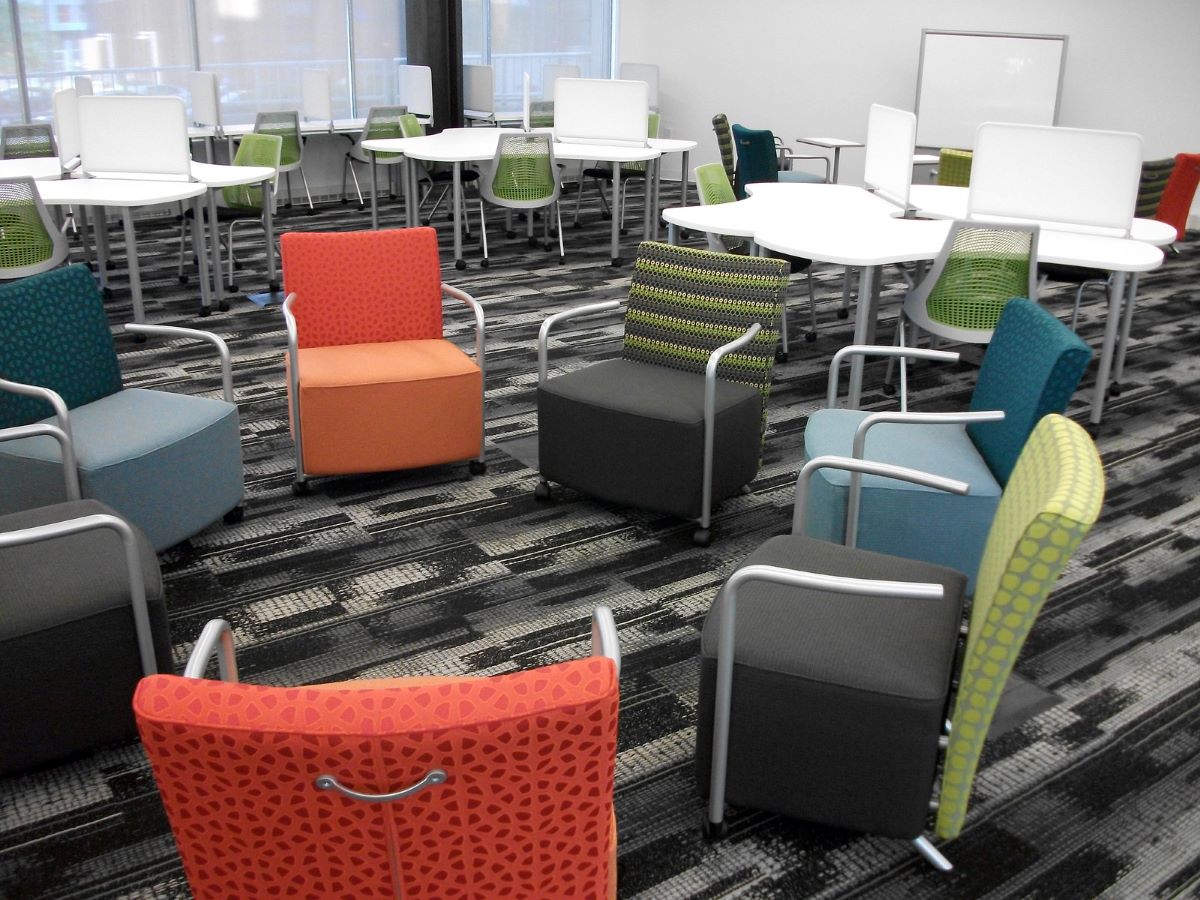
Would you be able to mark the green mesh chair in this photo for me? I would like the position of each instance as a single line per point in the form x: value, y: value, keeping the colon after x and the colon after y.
x: 27, y: 141
x: 541, y: 114
x: 827, y: 672
x: 382, y: 122
x: 954, y: 167
x: 677, y: 422
x: 30, y: 242
x: 602, y: 175
x: 523, y: 176
x: 286, y: 124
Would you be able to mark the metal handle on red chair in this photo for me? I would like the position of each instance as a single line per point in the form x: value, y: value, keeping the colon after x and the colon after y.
x: 329, y: 783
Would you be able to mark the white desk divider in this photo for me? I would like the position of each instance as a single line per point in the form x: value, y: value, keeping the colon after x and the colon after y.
x: 479, y: 94
x: 206, y: 104
x: 551, y: 73
x: 600, y: 111
x: 414, y: 89
x: 526, y: 87
x: 891, y: 137
x: 647, y: 72
x: 316, y: 96
x: 131, y: 137
x: 83, y: 86
x: 66, y: 125
x: 1070, y: 176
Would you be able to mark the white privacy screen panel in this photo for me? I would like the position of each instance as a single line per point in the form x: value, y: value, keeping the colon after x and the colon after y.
x: 889, y: 154
x: 1067, y: 176
x: 66, y: 124
x: 478, y: 89
x: 415, y: 89
x: 600, y: 111
x: 967, y: 78
x: 206, y: 107
x: 316, y: 98
x: 135, y: 137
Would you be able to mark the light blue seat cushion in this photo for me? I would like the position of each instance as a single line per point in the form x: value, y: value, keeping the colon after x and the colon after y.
x: 898, y: 517
x: 797, y: 177
x: 169, y: 463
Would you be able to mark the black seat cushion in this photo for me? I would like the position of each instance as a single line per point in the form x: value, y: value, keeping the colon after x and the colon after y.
x: 838, y: 701
x: 633, y: 433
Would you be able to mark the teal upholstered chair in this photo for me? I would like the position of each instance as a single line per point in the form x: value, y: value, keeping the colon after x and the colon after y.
x: 169, y: 463
x: 760, y: 158
x: 1031, y: 368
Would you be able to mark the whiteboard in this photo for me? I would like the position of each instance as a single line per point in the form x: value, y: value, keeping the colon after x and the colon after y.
x: 889, y: 153
x: 1073, y: 177
x: 415, y: 90
x: 135, y: 137
x: 316, y: 95
x: 970, y: 77
x: 206, y: 105
x: 479, y: 95
x: 600, y: 111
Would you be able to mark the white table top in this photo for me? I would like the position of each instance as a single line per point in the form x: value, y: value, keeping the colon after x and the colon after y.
x: 950, y: 202
x: 117, y: 192
x: 37, y: 168
x: 830, y: 143
x: 474, y: 144
x: 672, y: 145
x: 216, y: 176
x: 340, y: 126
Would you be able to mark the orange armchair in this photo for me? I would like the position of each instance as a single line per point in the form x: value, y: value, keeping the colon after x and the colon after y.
x: 372, y: 384
x: 414, y: 788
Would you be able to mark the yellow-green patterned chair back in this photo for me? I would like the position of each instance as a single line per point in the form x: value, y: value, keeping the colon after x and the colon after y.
x: 714, y: 187
x: 1049, y: 504
x: 253, y: 150
x: 954, y: 167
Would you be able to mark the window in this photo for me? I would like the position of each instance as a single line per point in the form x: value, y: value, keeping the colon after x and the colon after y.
x: 379, y: 47
x: 10, y: 84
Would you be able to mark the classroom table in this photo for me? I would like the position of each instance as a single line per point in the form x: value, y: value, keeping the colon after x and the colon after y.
x: 852, y: 227
x: 459, y: 145
x: 837, y: 145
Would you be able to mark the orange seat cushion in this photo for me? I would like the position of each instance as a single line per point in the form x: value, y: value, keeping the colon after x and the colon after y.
x: 384, y: 406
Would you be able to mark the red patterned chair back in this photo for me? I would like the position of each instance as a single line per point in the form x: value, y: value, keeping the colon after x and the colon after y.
x: 362, y: 287
x: 525, y: 808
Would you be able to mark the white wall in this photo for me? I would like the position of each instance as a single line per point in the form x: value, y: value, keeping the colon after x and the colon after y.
x: 813, y: 67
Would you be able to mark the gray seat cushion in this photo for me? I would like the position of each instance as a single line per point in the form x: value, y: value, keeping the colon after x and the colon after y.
x: 838, y: 701
x: 633, y: 433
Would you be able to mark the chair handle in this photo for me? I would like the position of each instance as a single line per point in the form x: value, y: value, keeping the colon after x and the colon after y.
x: 330, y: 783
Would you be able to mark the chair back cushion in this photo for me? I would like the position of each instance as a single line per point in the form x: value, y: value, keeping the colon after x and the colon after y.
x: 757, y: 159
x: 685, y: 303
x: 954, y: 167
x: 253, y: 150
x: 1032, y: 367
x: 525, y: 811
x: 1176, y: 200
x: 984, y: 267
x: 361, y: 287
x: 1050, y: 503
x: 286, y: 124
x: 1155, y: 174
x: 27, y: 141
x: 54, y: 333
x: 725, y: 144
x: 523, y: 171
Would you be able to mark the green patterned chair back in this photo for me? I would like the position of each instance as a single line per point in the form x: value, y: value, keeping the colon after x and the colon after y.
x: 27, y: 141
x: 541, y: 114
x: 713, y: 187
x: 254, y: 150
x: 979, y: 269
x: 383, y: 122
x: 725, y: 144
x: 29, y: 240
x: 410, y: 126
x: 286, y: 124
x: 523, y: 172
x: 1155, y: 173
x: 54, y: 333
x: 954, y: 167
x: 684, y: 303
x: 1050, y: 503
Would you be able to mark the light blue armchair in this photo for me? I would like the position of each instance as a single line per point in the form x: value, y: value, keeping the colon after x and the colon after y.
x: 1031, y: 368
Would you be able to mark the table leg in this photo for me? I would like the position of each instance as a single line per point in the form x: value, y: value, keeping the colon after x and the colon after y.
x: 657, y: 192
x: 864, y: 324
x: 102, y: 249
x: 459, y: 262
x: 268, y: 200
x: 1126, y: 323
x: 411, y: 192
x: 201, y: 252
x: 374, y: 195
x: 135, y: 275
x: 214, y: 225
x: 649, y: 219
x: 672, y: 233
x: 1112, y: 325
x: 615, y: 249
x: 837, y: 156
x: 683, y: 179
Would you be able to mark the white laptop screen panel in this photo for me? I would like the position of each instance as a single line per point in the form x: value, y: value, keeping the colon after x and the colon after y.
x: 891, y: 134
x: 600, y: 111
x: 135, y: 136
x: 206, y: 109
x: 415, y: 90
x: 478, y: 90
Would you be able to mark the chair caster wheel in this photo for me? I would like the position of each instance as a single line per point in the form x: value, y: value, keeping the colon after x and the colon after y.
x: 1114, y: 389
x: 843, y: 313
x: 510, y: 234
x: 109, y: 264
x: 139, y: 339
x: 606, y: 216
x: 235, y: 515
x: 183, y: 279
x: 702, y: 537
x: 622, y: 231
x: 781, y: 355
x: 532, y: 242
x: 460, y: 264
x: 889, y: 390
x: 577, y: 226
x: 484, y: 262
x: 477, y: 467
x: 562, y: 260
x: 714, y: 831
x: 542, y: 491
x: 107, y: 292
x: 425, y: 222
x: 223, y: 306
x: 616, y: 261
x: 301, y: 488
x: 811, y: 337
x: 205, y: 312
x: 344, y: 201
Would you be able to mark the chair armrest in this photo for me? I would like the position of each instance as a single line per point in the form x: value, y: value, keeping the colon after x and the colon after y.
x: 133, y: 565
x: 551, y: 321
x: 448, y: 291
x: 788, y: 155
x: 217, y: 637
x: 858, y: 468
x: 604, y: 636
x: 710, y: 412
x: 960, y: 418
x: 70, y: 471
x: 195, y: 334
x: 868, y: 350
x: 70, y: 467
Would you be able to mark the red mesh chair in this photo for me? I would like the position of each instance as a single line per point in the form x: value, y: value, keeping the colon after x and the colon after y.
x: 372, y: 384
x: 415, y: 788
x: 1177, y: 197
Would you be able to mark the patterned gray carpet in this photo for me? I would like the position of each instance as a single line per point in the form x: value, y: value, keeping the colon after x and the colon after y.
x: 431, y: 572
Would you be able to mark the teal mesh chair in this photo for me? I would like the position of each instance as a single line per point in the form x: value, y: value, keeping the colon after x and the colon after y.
x: 830, y: 676
x: 169, y: 463
x: 286, y: 124
x: 954, y: 167
x: 675, y: 424
x: 27, y: 141
x: 602, y: 175
x: 1030, y: 369
x: 761, y: 158
x: 524, y: 176
x: 382, y: 122
x: 30, y: 242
